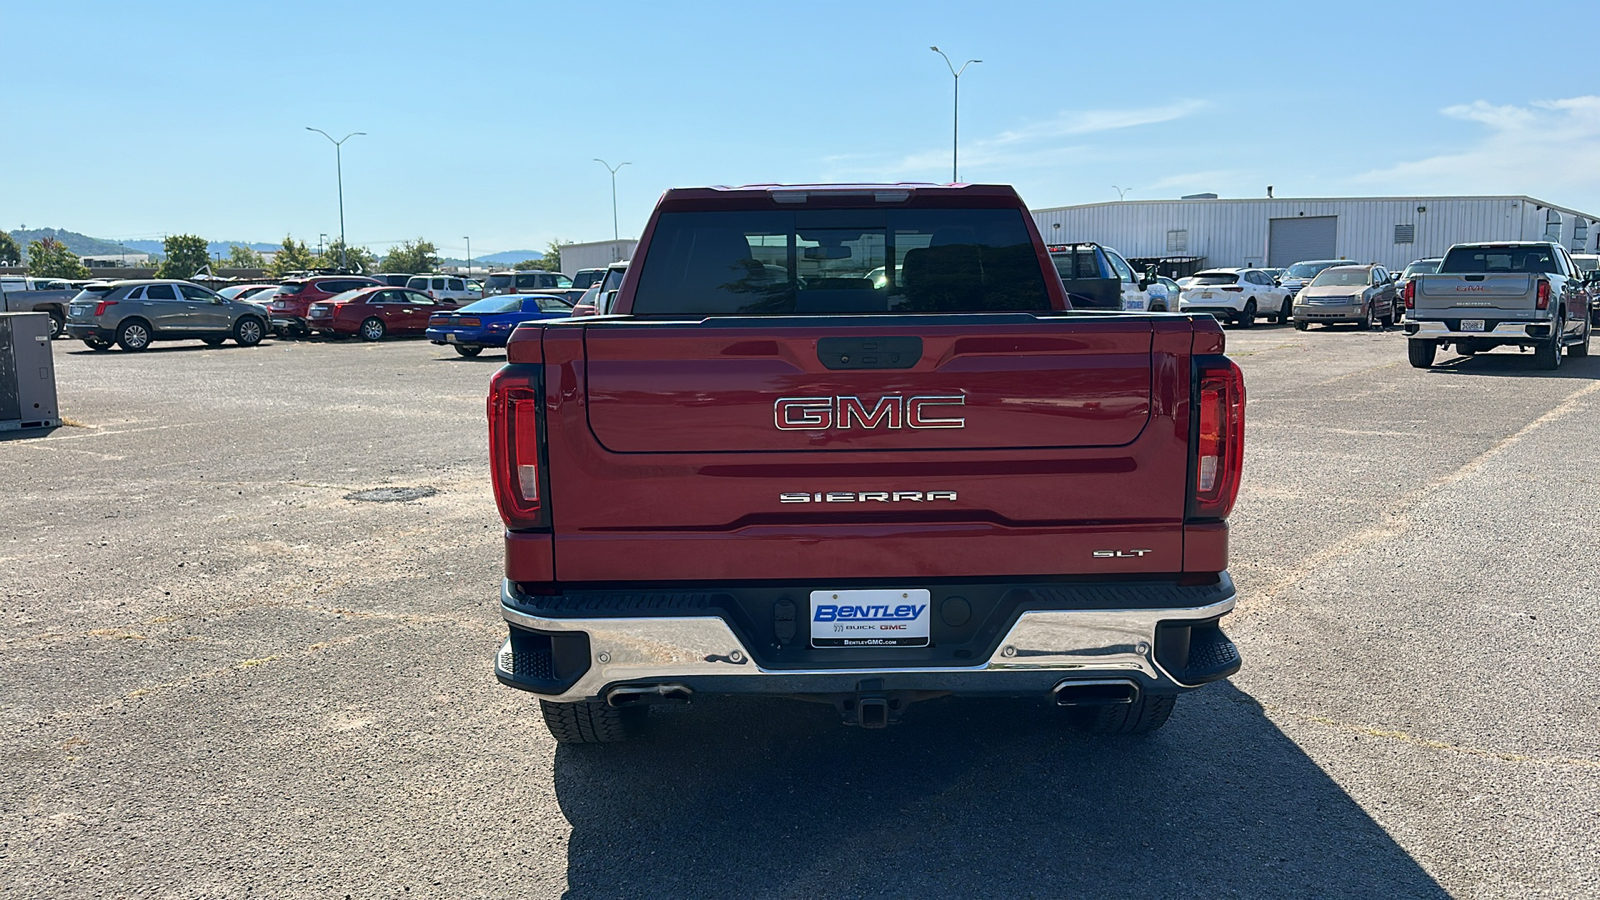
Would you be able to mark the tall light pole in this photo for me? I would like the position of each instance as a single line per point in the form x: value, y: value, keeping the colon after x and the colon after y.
x: 955, y: 118
x: 338, y: 158
x: 469, y: 255
x: 614, y: 233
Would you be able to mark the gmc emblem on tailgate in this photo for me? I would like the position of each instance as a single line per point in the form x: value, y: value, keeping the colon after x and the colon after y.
x: 820, y: 413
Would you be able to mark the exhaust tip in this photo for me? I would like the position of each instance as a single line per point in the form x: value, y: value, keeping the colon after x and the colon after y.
x: 1096, y: 693
x: 640, y: 694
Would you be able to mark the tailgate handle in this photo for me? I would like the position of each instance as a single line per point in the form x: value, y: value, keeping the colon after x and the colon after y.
x: 870, y: 352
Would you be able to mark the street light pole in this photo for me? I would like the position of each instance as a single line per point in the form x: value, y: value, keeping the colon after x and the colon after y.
x: 615, y: 235
x: 955, y: 118
x: 338, y: 160
x: 469, y: 255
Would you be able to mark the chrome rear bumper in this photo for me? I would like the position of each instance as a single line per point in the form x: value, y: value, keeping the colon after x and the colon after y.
x: 1041, y: 647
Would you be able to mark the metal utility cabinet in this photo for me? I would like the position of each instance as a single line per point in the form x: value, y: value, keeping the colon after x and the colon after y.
x: 27, y: 373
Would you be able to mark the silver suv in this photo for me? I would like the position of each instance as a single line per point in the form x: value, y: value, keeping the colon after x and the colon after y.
x: 131, y: 314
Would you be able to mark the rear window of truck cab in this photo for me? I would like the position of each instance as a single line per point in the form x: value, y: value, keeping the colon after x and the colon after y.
x: 826, y: 262
x: 1499, y: 259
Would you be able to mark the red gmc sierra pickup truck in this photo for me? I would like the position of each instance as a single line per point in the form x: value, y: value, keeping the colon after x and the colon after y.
x: 850, y: 444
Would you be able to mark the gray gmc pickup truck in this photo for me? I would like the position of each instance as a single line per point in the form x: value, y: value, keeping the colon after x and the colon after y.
x: 1527, y: 294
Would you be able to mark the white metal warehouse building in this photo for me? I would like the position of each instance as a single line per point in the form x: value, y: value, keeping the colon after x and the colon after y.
x: 1390, y: 231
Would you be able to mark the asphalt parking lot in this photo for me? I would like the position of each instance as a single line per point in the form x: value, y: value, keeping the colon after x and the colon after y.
x: 224, y: 676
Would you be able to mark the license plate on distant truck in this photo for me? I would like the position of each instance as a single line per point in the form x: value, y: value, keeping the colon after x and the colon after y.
x: 1471, y: 324
x: 882, y: 618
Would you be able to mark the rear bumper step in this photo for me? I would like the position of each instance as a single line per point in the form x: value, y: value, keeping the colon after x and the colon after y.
x: 650, y: 658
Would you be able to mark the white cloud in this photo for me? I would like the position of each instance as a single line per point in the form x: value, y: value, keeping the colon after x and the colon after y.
x: 1033, y: 145
x: 1547, y: 148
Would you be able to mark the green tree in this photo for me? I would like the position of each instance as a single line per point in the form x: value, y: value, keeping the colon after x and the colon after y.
x: 49, y: 258
x: 294, y: 256
x: 412, y: 256
x: 10, y: 253
x: 186, y: 255
x: 359, y: 259
x: 240, y: 257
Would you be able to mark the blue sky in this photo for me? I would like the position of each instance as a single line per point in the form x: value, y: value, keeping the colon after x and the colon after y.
x: 483, y: 119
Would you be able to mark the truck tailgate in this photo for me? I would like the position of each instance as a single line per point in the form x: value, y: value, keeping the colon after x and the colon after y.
x: 983, y: 445
x: 1465, y: 294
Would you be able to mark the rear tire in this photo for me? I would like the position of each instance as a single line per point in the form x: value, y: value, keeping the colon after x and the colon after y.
x: 58, y: 326
x: 591, y: 721
x: 1247, y: 318
x: 372, y: 330
x: 97, y: 344
x: 1143, y: 715
x: 133, y: 335
x: 1286, y: 312
x: 1547, y: 354
x: 1421, y: 353
x: 468, y: 351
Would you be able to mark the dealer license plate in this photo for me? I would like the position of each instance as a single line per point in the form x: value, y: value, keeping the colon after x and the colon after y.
x: 1205, y: 295
x: 886, y: 618
x: 1471, y: 324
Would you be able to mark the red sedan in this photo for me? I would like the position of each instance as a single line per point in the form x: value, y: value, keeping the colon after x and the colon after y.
x: 373, y: 313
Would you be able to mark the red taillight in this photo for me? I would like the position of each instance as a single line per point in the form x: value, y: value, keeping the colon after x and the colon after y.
x: 1236, y: 290
x: 514, y: 450
x: 1220, y: 454
x: 100, y: 308
x: 1544, y: 295
x: 1409, y: 294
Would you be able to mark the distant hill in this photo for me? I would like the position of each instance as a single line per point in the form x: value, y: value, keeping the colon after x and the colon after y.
x: 81, y: 244
x: 508, y: 257
x: 84, y: 245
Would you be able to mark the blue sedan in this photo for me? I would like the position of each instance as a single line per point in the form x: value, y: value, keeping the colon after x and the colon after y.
x: 488, y: 322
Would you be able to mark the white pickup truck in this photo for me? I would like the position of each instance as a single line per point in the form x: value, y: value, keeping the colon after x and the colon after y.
x: 1526, y: 294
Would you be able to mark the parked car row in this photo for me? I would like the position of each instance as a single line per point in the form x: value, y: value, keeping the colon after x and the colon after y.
x: 134, y: 314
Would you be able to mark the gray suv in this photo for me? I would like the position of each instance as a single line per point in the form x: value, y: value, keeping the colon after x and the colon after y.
x: 131, y: 314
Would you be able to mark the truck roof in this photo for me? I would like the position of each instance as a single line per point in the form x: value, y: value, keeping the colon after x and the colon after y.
x: 796, y: 196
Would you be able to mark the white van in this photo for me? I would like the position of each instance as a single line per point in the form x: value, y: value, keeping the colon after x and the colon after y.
x: 445, y: 287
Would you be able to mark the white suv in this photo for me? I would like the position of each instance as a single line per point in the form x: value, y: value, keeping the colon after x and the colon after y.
x: 445, y: 287
x: 1237, y: 295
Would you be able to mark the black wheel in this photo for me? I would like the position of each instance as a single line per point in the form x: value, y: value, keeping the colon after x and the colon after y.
x: 248, y: 331
x: 133, y: 335
x: 97, y: 343
x: 1286, y: 312
x: 1247, y: 318
x: 1547, y: 355
x: 591, y: 721
x: 1145, y: 714
x: 212, y: 342
x: 1388, y: 318
x: 58, y: 326
x: 372, y: 330
x: 1370, y: 321
x: 1302, y: 326
x: 468, y: 351
x: 1421, y: 353
x: 1581, y: 349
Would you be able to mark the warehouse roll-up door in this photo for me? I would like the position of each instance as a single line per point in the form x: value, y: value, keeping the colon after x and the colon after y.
x: 1293, y: 240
